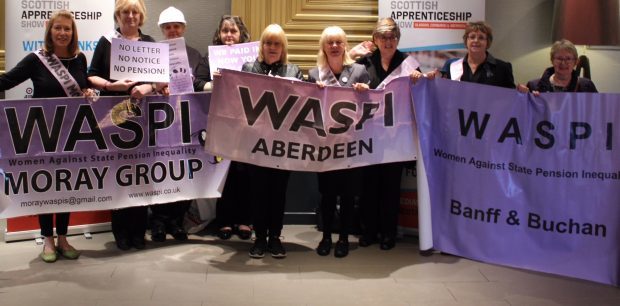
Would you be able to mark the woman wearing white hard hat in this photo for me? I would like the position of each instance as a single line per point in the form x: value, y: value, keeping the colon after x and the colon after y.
x: 172, y: 24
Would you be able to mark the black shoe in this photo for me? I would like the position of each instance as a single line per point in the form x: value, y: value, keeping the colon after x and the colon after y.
x: 387, y: 243
x: 244, y: 234
x: 138, y: 242
x: 342, y: 249
x: 325, y: 246
x: 275, y: 247
x: 158, y: 235
x: 366, y: 241
x: 179, y: 234
x: 224, y: 234
x: 259, y: 248
x: 123, y: 244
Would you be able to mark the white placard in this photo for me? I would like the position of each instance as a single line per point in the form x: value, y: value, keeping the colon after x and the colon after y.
x: 180, y: 71
x: 232, y: 57
x: 432, y: 25
x: 139, y: 61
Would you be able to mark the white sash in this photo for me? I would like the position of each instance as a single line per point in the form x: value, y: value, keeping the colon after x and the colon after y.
x: 327, y: 77
x: 62, y: 75
x: 456, y: 70
x: 404, y: 69
x: 113, y: 34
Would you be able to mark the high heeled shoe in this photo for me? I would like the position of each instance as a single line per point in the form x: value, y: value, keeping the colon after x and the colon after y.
x: 224, y: 233
x: 244, y: 233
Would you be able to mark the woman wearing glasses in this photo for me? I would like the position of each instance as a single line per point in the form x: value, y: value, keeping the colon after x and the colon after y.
x: 479, y: 66
x: 562, y: 76
x: 381, y: 191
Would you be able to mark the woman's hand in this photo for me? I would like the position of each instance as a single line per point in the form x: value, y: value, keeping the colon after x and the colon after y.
x: 89, y: 92
x: 361, y: 86
x: 320, y: 84
x: 361, y: 49
x: 139, y: 91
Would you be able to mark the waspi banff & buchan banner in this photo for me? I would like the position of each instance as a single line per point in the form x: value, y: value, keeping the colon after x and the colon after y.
x: 77, y: 154
x: 523, y: 181
x: 280, y: 123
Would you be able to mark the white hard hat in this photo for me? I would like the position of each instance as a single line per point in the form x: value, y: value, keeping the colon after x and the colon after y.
x: 171, y: 14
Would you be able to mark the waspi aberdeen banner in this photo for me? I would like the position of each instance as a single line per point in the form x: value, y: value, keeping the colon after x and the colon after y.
x: 77, y: 154
x: 280, y: 123
x: 523, y: 181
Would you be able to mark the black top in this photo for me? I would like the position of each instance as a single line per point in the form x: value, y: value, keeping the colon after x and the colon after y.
x: 100, y: 64
x: 372, y: 62
x: 275, y: 69
x: 576, y: 84
x: 491, y: 72
x: 197, y: 65
x: 44, y: 83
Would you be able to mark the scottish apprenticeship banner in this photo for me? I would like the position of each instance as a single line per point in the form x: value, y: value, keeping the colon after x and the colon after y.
x: 523, y: 181
x: 279, y: 123
x: 76, y: 154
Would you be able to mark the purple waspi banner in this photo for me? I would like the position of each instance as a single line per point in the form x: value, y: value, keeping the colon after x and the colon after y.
x: 74, y: 154
x: 279, y: 123
x: 523, y: 181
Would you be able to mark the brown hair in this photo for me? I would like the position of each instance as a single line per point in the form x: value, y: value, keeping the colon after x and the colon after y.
x: 244, y: 35
x: 72, y: 48
x: 386, y: 25
x: 479, y: 26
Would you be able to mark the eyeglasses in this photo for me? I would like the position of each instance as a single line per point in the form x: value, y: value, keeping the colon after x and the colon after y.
x: 387, y: 38
x: 474, y: 37
x: 567, y: 60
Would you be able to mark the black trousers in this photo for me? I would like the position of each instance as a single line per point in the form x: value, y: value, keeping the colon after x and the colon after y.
x: 168, y: 217
x: 381, y: 199
x: 235, y: 205
x: 129, y: 222
x: 343, y: 184
x: 46, y: 222
x: 268, y: 193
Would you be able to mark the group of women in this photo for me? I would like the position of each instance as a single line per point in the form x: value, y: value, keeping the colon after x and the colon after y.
x: 253, y: 195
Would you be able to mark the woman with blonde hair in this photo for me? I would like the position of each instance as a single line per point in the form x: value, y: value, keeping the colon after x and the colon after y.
x: 128, y: 224
x: 60, y: 46
x: 336, y: 68
x: 268, y: 188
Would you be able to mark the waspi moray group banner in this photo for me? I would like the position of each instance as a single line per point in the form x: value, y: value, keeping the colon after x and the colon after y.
x: 80, y: 154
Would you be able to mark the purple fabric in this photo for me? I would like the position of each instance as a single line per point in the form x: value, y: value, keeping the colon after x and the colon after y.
x: 301, y: 132
x: 44, y: 174
x: 584, y: 238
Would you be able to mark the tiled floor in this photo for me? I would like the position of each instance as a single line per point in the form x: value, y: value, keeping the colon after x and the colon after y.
x: 206, y: 271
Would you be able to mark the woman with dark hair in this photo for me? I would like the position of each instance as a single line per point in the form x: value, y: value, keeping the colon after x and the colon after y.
x: 128, y: 224
x: 61, y: 46
x: 268, y: 188
x: 479, y: 66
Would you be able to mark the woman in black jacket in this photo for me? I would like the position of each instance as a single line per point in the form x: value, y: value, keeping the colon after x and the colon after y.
x: 268, y: 186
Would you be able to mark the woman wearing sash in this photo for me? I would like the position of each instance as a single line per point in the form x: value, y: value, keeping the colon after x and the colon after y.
x: 381, y: 196
x: 336, y: 68
x: 60, y: 50
x: 268, y: 185
x: 233, y: 209
x: 562, y: 76
x: 479, y: 66
x: 128, y: 224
